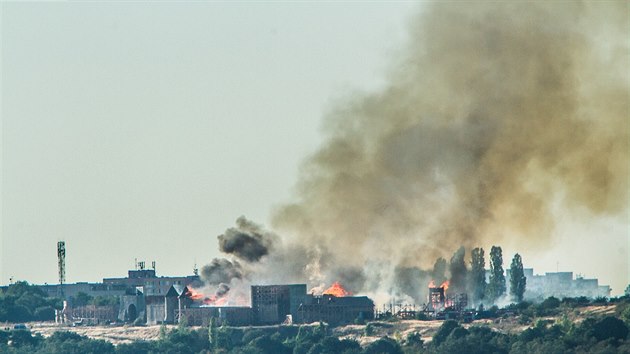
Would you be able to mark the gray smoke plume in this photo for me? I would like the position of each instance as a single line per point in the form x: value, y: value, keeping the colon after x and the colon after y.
x: 438, y: 275
x: 222, y: 290
x: 352, y: 278
x: 412, y: 282
x: 495, y: 112
x: 221, y: 271
x: 247, y: 241
x: 459, y: 272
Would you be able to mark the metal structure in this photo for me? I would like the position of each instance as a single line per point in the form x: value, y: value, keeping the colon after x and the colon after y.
x: 61, y: 258
x: 436, y: 299
x: 61, y: 262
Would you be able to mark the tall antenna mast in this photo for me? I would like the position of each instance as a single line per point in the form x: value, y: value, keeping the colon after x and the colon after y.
x: 61, y: 257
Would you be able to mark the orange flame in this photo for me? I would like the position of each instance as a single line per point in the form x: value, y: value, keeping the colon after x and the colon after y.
x: 337, y: 290
x: 444, y: 285
x: 195, y: 295
x: 207, y: 300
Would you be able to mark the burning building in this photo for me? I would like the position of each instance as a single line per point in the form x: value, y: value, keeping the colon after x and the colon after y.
x: 224, y: 315
x: 271, y: 304
x: 197, y: 309
x: 277, y: 304
x: 335, y: 310
x: 440, y: 300
x: 336, y: 305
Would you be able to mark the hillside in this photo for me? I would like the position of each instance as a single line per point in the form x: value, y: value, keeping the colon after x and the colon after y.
x: 364, y: 334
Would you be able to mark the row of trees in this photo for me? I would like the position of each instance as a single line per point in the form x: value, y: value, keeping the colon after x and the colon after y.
x: 22, y: 302
x: 473, y: 280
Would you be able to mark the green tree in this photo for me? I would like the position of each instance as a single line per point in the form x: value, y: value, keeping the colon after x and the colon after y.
x: 459, y: 272
x: 81, y: 299
x: 414, y: 340
x: 44, y: 313
x: 212, y: 333
x: 19, y: 288
x: 105, y: 300
x: 384, y: 345
x: 268, y: 345
x: 610, y: 327
x: 517, y: 278
x: 444, y: 331
x: 478, y: 275
x: 496, y: 286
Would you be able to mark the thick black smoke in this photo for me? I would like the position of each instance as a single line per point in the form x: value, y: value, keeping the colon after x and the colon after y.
x: 247, y: 241
x: 221, y: 271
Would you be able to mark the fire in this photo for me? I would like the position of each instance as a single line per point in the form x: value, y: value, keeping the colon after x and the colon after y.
x: 195, y: 295
x: 207, y: 300
x: 337, y: 290
x: 443, y: 285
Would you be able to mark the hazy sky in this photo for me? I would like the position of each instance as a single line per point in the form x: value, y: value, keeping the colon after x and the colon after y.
x: 143, y: 130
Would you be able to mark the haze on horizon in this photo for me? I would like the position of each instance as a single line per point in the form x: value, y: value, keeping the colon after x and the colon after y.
x: 144, y: 130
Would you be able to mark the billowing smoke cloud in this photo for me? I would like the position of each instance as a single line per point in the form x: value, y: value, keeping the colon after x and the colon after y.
x: 222, y: 290
x: 221, y: 271
x: 412, y: 282
x: 496, y: 113
x: 247, y: 241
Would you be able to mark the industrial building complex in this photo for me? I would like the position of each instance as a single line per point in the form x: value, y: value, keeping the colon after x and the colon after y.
x: 147, y: 298
x: 143, y: 297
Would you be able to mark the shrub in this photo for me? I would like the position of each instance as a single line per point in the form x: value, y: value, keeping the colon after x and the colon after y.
x: 44, y: 313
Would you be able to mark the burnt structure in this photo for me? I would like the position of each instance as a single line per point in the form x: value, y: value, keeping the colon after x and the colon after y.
x: 440, y: 301
x: 275, y: 304
x: 223, y: 315
x: 436, y: 299
x: 271, y: 304
x: 335, y: 310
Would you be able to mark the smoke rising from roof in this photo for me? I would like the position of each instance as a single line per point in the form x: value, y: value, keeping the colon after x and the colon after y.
x: 247, y: 241
x: 496, y: 112
x: 222, y: 290
x: 221, y: 271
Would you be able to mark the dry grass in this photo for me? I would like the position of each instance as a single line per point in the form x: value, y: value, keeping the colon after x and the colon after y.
x: 113, y: 334
x: 397, y: 329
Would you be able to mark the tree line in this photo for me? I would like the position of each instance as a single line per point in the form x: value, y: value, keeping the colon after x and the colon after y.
x: 472, y: 280
x: 22, y: 302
